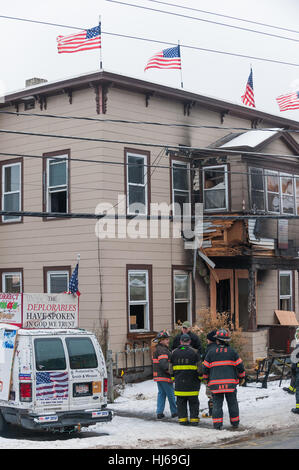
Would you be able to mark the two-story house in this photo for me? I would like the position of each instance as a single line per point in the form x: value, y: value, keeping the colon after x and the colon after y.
x: 103, y: 143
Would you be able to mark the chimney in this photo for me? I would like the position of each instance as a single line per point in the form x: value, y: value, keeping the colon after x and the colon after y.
x: 34, y: 81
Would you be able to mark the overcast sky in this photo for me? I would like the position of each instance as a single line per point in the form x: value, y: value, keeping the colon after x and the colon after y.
x: 29, y: 50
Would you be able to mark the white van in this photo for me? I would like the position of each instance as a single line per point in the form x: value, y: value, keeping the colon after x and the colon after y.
x: 58, y: 381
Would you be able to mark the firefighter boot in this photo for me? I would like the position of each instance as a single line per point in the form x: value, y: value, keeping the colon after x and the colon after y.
x: 295, y: 410
x: 209, y: 414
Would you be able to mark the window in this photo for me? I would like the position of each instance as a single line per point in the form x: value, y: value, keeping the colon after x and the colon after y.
x: 286, y: 290
x: 81, y: 353
x: 12, y: 282
x: 257, y: 188
x: 287, y: 194
x: 137, y: 183
x: 182, y: 297
x: 56, y: 182
x: 180, y: 186
x: 49, y: 354
x: 215, y: 188
x: 272, y: 185
x: 11, y: 190
x: 279, y: 190
x: 138, y: 299
x: 56, y: 280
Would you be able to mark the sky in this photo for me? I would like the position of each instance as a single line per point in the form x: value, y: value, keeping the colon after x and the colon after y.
x: 29, y: 50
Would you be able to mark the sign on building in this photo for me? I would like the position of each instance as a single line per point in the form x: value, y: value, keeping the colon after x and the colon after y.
x: 58, y: 311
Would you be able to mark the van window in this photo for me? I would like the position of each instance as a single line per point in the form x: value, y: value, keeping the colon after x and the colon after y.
x: 81, y: 353
x: 49, y: 354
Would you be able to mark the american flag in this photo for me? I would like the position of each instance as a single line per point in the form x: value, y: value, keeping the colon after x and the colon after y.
x: 52, y: 385
x: 288, y: 101
x: 248, y: 97
x: 166, y: 59
x: 74, y: 282
x: 83, y: 41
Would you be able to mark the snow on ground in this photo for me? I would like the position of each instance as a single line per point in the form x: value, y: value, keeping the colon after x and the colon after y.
x: 260, y: 410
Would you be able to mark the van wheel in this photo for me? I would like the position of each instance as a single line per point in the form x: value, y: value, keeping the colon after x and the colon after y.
x: 3, y: 424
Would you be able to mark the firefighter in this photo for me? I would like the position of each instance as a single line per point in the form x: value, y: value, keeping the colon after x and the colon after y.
x: 291, y: 389
x: 161, y: 375
x: 295, y: 370
x: 186, y: 369
x: 223, y: 369
x: 211, y: 343
x: 186, y: 329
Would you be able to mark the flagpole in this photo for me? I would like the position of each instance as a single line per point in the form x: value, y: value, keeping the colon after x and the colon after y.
x: 101, y: 61
x: 181, y: 64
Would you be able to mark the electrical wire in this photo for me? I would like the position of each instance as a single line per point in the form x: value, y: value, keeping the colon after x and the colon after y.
x: 151, y: 123
x: 225, y: 16
x: 181, y: 148
x: 203, y: 20
x: 244, y: 56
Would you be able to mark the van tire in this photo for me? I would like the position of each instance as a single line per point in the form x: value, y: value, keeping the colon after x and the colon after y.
x: 3, y: 424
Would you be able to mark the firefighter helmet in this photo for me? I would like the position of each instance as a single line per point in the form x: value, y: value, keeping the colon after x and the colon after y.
x: 222, y: 335
x: 161, y: 335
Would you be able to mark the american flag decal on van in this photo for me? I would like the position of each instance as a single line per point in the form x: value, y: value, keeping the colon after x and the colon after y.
x: 51, y: 385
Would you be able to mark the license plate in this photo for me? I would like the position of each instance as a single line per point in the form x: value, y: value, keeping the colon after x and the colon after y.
x: 97, y: 414
x: 82, y: 389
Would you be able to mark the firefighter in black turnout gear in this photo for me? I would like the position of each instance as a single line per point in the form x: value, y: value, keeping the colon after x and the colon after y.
x: 223, y: 369
x: 186, y: 370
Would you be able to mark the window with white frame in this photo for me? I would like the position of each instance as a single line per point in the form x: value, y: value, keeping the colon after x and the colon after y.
x: 57, y: 281
x: 57, y: 184
x: 12, y: 282
x: 272, y: 191
x: 11, y: 190
x: 138, y: 298
x: 182, y: 297
x: 215, y: 193
x: 287, y: 193
x: 297, y: 195
x: 286, y: 290
x: 180, y: 187
x: 137, y: 187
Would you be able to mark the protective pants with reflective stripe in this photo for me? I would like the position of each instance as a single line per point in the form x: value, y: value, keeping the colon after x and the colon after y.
x: 232, y: 404
x: 182, y: 403
x: 297, y: 387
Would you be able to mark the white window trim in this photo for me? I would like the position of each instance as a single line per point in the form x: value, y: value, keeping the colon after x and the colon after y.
x: 49, y: 273
x: 11, y: 217
x: 10, y: 273
x: 290, y: 296
x: 292, y: 177
x: 296, y: 194
x: 188, y: 191
x: 184, y: 273
x: 211, y: 189
x: 63, y: 188
x: 272, y: 173
x: 144, y: 185
x: 139, y: 302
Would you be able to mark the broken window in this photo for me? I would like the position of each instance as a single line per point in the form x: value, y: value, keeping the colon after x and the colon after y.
x: 257, y: 188
x: 215, y: 187
x: 287, y: 194
x: 138, y: 300
x: 285, y: 290
x: 182, y: 297
x: 136, y: 184
x: 272, y: 185
x: 180, y: 186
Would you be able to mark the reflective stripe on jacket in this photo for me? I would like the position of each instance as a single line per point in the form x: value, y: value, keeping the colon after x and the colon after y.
x: 161, y: 358
x: 186, y: 368
x: 223, y: 368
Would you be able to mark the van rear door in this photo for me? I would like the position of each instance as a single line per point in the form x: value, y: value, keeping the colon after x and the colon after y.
x: 51, y: 391
x: 87, y: 372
